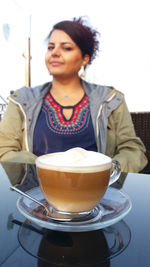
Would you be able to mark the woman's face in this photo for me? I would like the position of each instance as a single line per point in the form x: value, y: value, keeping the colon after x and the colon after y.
x: 63, y: 57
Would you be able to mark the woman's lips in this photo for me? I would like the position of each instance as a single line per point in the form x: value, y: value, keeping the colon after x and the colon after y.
x: 56, y: 63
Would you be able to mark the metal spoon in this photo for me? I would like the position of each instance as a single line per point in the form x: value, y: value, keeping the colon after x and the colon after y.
x: 52, y: 215
x: 13, y: 188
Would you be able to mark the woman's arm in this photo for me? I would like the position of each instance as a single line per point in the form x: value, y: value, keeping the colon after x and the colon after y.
x: 122, y: 142
x: 12, y: 136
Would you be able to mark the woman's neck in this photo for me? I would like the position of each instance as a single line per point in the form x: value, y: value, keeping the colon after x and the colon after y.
x: 67, y: 86
x: 68, y: 92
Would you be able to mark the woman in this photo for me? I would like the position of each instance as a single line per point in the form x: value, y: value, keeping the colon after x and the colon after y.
x: 69, y: 112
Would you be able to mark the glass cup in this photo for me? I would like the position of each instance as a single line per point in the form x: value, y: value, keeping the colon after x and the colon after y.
x: 75, y: 181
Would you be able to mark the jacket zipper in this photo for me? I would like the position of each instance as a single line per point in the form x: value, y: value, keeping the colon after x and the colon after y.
x: 98, y: 116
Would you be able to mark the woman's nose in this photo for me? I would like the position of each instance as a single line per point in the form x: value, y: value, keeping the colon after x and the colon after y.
x: 56, y: 51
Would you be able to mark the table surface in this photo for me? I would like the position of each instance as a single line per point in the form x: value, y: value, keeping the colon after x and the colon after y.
x: 130, y: 247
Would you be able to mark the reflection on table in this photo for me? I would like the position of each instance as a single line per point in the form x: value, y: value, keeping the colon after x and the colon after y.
x: 23, y: 243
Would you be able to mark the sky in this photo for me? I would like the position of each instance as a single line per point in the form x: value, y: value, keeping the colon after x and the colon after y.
x: 124, y: 57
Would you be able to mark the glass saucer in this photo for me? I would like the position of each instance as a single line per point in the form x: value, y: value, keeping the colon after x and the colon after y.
x: 75, y: 248
x: 114, y: 206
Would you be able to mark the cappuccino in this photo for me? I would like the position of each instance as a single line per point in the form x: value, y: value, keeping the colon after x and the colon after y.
x: 74, y: 181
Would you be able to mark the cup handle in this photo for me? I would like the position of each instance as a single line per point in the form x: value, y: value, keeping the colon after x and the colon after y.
x: 115, y: 171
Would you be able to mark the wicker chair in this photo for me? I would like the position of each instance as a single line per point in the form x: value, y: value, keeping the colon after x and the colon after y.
x: 141, y: 121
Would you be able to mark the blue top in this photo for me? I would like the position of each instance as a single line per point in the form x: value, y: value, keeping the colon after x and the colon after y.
x: 54, y: 133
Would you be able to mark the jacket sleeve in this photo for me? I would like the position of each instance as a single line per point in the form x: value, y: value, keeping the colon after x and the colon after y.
x: 12, y: 135
x: 122, y: 142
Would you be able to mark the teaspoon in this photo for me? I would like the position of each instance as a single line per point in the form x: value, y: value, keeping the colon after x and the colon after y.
x: 50, y: 214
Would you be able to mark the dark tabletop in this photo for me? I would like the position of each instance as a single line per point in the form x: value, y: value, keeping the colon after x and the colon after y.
x: 24, y: 244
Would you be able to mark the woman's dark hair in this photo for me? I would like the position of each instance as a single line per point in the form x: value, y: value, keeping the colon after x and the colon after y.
x: 84, y: 36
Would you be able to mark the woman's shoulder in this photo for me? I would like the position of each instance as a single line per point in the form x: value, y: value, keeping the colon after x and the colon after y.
x: 101, y: 87
x: 113, y: 90
x: 30, y: 92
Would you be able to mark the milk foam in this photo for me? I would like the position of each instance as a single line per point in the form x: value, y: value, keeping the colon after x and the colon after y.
x: 75, y: 160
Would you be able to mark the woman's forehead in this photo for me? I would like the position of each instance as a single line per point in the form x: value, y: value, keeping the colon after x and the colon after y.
x: 60, y: 36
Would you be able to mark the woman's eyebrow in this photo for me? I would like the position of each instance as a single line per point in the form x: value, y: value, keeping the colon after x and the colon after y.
x: 61, y: 43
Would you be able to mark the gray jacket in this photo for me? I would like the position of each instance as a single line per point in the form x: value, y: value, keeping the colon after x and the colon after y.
x: 113, y: 127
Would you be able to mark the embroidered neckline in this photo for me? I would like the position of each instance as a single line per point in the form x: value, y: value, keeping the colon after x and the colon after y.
x: 67, y: 107
x: 57, y: 109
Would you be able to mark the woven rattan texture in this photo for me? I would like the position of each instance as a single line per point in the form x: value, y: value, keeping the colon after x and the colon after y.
x: 141, y: 121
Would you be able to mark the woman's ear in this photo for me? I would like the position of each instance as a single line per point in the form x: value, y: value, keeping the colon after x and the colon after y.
x: 86, y: 59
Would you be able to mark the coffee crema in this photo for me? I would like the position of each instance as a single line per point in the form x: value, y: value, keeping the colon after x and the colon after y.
x: 75, y: 180
x: 74, y: 159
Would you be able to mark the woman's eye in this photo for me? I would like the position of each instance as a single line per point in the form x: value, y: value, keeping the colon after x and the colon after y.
x: 68, y: 48
x: 50, y: 47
